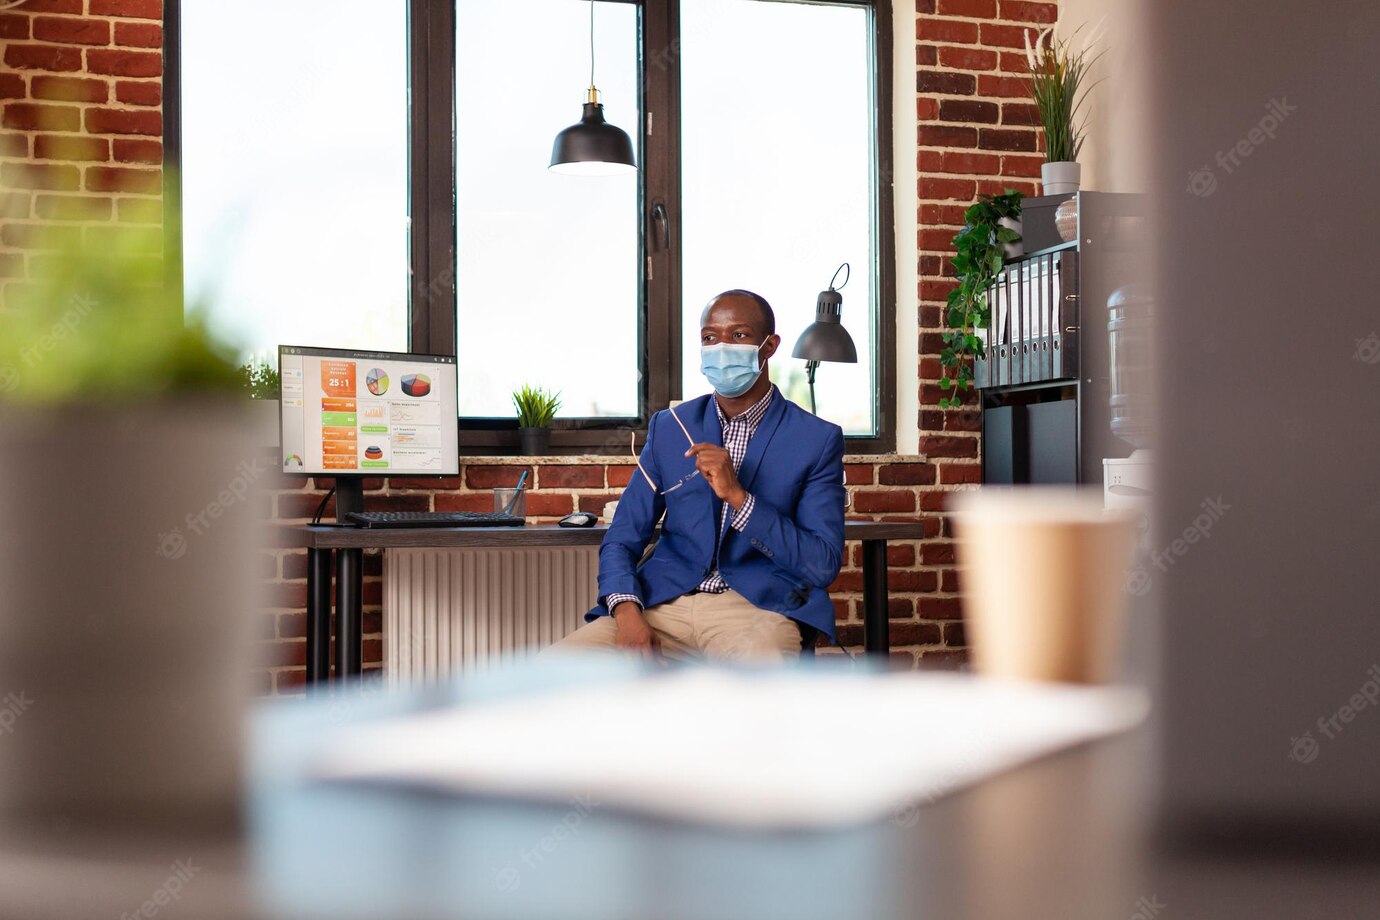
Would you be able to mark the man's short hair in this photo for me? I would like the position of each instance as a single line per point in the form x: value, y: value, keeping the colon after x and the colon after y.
x: 768, y: 315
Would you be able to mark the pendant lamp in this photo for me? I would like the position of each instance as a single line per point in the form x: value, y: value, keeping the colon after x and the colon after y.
x: 592, y: 146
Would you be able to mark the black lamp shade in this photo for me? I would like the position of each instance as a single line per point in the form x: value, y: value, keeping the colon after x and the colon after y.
x: 825, y: 339
x: 593, y: 147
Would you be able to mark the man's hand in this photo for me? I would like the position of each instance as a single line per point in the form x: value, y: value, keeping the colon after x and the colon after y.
x: 633, y: 634
x: 716, y: 466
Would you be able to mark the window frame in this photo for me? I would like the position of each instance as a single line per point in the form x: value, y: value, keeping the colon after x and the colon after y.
x: 432, y: 218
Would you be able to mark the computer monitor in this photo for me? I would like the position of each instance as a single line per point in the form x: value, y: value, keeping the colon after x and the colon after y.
x: 353, y: 414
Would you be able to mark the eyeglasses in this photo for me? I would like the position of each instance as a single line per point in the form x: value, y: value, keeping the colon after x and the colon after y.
x: 684, y: 479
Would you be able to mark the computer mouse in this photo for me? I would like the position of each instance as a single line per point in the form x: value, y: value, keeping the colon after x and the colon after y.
x: 580, y: 519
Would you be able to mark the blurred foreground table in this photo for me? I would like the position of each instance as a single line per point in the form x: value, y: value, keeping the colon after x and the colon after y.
x: 1068, y: 836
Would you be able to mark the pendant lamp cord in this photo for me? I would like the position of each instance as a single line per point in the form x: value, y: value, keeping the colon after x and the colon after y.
x: 591, y: 42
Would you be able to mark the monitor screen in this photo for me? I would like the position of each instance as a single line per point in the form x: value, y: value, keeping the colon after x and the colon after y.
x: 368, y: 413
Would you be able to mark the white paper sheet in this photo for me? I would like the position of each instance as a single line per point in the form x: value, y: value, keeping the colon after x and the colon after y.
x: 762, y: 750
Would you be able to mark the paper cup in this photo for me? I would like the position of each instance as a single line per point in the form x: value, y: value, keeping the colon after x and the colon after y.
x: 1043, y: 575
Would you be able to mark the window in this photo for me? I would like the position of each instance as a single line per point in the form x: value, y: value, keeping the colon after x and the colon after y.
x: 544, y: 261
x: 777, y: 187
x: 294, y: 171
x: 759, y: 147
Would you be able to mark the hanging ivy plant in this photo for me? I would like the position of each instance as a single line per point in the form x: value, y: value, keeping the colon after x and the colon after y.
x: 977, y: 263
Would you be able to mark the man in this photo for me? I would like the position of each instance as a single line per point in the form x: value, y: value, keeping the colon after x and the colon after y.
x: 752, y: 490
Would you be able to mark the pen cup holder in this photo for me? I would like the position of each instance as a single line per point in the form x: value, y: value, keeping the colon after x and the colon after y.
x: 503, y: 496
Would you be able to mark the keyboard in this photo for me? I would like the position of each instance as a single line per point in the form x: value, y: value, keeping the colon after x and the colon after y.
x: 434, y: 519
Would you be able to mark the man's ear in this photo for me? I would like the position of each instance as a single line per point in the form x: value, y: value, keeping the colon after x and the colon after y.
x: 772, y: 343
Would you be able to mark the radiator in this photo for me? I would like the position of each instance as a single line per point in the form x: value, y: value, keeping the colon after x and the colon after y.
x: 448, y: 610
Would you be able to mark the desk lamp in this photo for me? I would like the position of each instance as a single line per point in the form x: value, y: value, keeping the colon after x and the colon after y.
x: 825, y: 339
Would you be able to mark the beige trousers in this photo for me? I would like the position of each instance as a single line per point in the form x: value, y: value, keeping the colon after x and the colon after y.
x: 716, y: 627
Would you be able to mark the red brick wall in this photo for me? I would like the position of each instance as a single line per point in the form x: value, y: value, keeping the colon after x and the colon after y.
x: 80, y: 145
x: 80, y: 123
x: 977, y: 135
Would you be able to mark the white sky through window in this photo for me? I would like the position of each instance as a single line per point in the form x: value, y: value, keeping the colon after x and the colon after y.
x: 295, y: 171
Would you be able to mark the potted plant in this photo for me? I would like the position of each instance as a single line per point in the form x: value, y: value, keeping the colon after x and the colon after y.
x: 536, y: 408
x: 127, y: 551
x: 261, y: 383
x: 1057, y: 73
x: 977, y: 262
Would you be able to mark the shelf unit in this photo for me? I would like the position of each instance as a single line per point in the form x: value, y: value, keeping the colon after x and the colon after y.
x: 1044, y: 380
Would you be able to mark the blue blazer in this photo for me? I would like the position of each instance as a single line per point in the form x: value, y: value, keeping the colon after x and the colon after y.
x: 792, y: 547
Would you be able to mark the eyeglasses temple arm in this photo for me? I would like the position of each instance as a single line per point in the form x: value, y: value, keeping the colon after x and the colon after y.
x: 632, y: 439
x: 672, y: 410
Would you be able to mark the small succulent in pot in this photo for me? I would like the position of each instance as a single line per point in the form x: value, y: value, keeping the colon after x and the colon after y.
x: 536, y: 408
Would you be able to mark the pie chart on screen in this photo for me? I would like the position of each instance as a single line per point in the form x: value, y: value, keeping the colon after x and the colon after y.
x: 377, y: 381
x: 417, y: 385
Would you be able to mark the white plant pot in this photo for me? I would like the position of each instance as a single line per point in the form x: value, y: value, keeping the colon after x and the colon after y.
x: 1016, y: 249
x: 1060, y: 178
x: 126, y: 613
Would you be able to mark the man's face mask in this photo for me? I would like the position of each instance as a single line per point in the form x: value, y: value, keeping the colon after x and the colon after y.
x: 731, y: 369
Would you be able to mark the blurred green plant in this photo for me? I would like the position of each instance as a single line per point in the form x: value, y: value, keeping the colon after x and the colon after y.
x: 96, y: 323
x: 535, y: 406
x: 260, y: 379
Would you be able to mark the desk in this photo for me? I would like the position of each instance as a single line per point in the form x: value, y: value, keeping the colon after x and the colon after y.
x: 349, y: 544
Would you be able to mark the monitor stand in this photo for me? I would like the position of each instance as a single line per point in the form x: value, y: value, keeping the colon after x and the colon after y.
x: 349, y: 563
x: 349, y: 496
